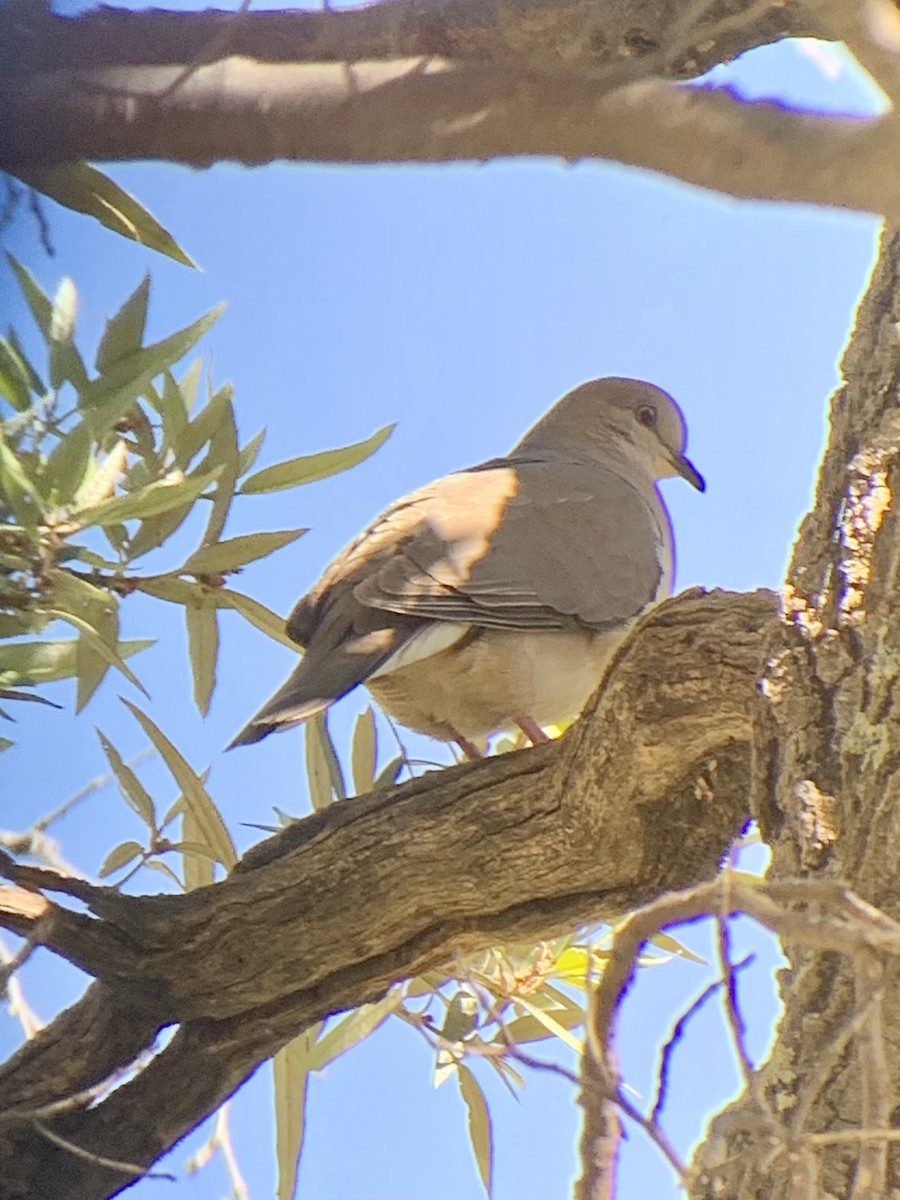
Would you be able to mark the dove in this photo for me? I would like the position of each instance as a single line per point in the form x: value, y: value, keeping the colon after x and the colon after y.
x: 495, y: 597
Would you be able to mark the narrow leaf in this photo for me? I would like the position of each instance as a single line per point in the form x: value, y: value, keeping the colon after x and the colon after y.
x: 350, y: 1030
x: 480, y: 1132
x: 124, y: 332
x: 155, y: 498
x: 120, y: 856
x: 211, y: 828
x: 133, y: 791
x: 318, y: 776
x: 202, y: 625
x: 310, y: 467
x: 364, y: 751
x: 257, y: 614
x: 15, y: 383
x: 86, y: 190
x: 197, y: 868
x: 249, y: 452
x: 35, y: 297
x: 97, y: 644
x: 44, y: 662
x: 68, y: 464
x: 237, y: 551
x: 290, y: 1086
x: 222, y: 456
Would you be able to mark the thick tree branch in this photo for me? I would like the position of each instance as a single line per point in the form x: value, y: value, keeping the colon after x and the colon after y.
x: 643, y: 795
x: 408, y: 82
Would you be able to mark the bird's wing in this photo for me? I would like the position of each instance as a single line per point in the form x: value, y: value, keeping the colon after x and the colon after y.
x: 541, y: 544
x: 510, y: 544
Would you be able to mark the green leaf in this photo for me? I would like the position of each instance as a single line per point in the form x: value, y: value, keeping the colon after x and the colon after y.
x: 68, y: 463
x: 35, y: 382
x: 389, y: 775
x: 550, y: 1023
x: 15, y: 383
x: 310, y: 467
x: 112, y: 393
x: 480, y: 1133
x: 202, y: 625
x: 290, y: 1083
x: 461, y: 1017
x: 237, y: 551
x: 350, y: 1030
x: 35, y: 297
x: 249, y: 452
x: 97, y: 644
x: 257, y: 614
x: 124, y: 332
x: 5, y: 744
x: 44, y: 662
x: 211, y: 829
x: 64, y: 360
x: 133, y: 791
x: 197, y: 866
x: 120, y: 856
x: 335, y: 773
x: 222, y: 454
x: 86, y: 190
x: 318, y: 774
x: 671, y: 945
x: 363, y: 752
x: 197, y: 433
x: 154, y: 498
x: 21, y: 493
x: 530, y: 1029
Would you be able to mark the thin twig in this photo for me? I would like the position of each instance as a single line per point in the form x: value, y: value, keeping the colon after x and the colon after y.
x: 98, y: 1159
x: 678, y: 1033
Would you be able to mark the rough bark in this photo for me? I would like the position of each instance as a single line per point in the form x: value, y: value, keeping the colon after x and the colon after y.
x: 460, y: 80
x: 828, y: 741
x: 644, y: 794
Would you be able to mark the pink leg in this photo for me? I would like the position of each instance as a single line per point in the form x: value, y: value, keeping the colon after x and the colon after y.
x: 469, y: 749
x: 532, y: 730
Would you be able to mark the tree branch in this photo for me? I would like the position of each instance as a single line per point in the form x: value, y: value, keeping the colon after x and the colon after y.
x: 406, y: 83
x: 641, y: 796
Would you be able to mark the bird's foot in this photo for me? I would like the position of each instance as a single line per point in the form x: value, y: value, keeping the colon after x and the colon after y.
x: 532, y: 730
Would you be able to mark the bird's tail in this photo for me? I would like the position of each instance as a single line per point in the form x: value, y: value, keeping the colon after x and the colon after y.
x: 290, y: 705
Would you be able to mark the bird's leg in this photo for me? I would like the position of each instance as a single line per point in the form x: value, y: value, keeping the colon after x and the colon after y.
x: 469, y: 749
x: 532, y: 730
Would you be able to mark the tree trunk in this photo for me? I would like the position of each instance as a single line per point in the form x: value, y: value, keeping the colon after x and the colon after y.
x: 826, y: 796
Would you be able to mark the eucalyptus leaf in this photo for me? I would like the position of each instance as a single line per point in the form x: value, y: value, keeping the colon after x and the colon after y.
x: 249, y: 452
x: 310, y: 467
x: 290, y: 1085
x: 15, y: 384
x: 237, y: 551
x: 86, y: 190
x: 36, y: 299
x: 46, y: 661
x: 111, y: 394
x: 124, y: 332
x: 120, y: 856
x: 202, y: 625
x: 363, y: 751
x: 481, y: 1135
x: 211, y: 829
x: 155, y: 498
x: 131, y: 788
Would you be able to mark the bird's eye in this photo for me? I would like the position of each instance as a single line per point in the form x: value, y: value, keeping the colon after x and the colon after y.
x: 647, y: 416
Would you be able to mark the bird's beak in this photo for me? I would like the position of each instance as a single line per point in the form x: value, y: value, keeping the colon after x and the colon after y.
x: 686, y: 469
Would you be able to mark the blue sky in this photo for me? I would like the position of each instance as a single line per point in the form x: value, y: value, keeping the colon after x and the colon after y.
x: 458, y: 302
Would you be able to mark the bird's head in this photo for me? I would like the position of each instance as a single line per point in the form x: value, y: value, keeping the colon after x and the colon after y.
x: 618, y: 420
